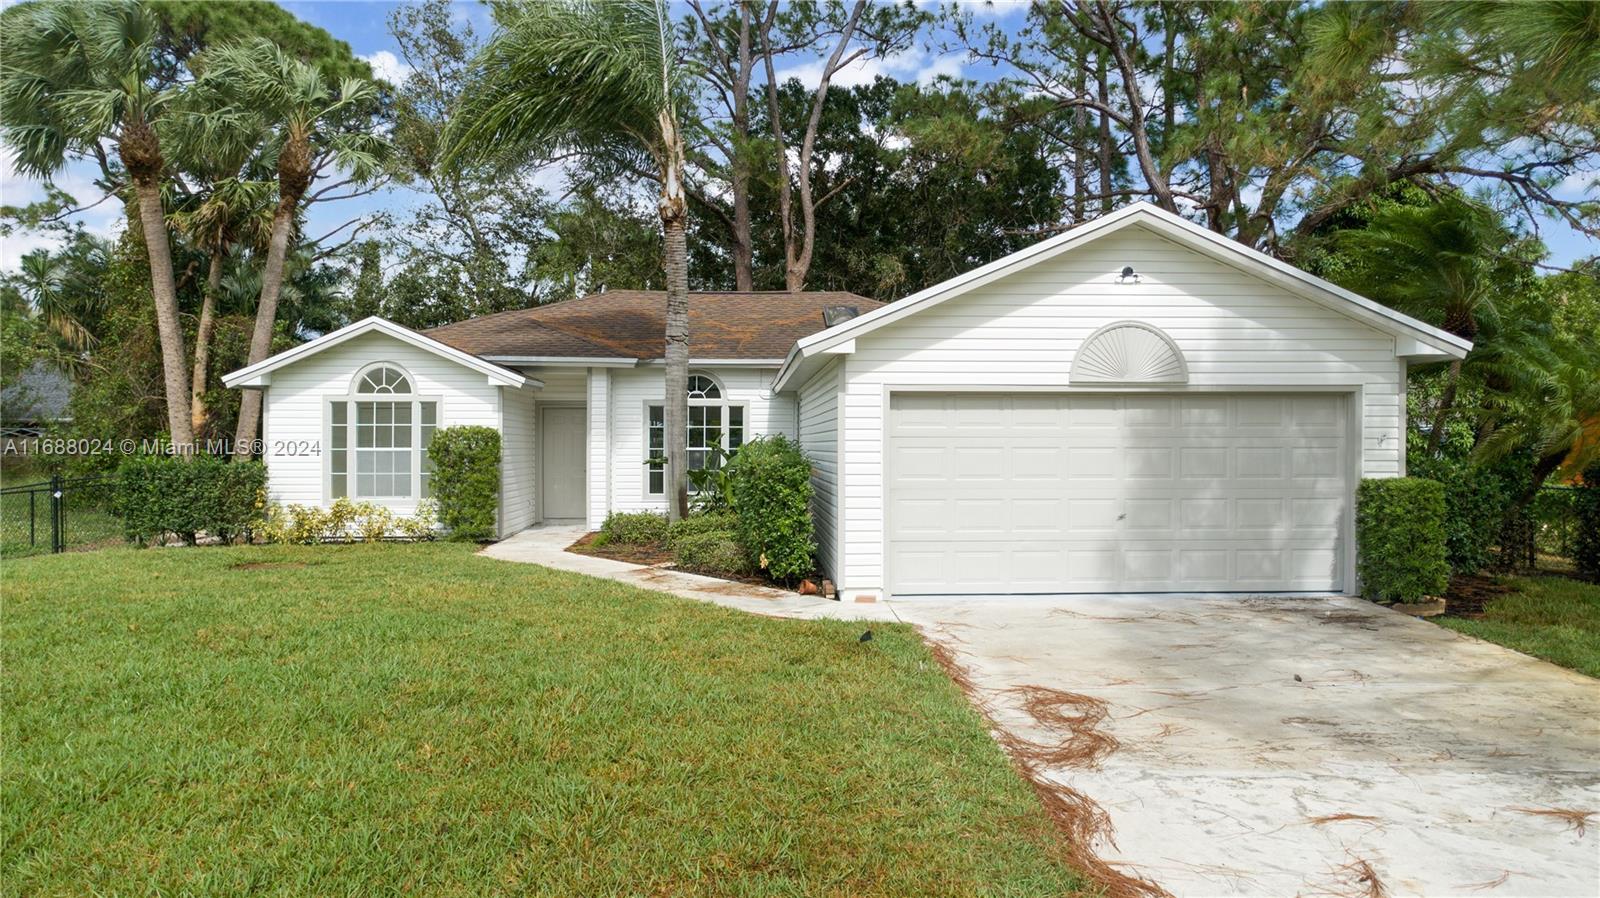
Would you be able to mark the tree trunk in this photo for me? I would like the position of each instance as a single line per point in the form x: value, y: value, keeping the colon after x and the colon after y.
x: 202, y: 342
x: 1104, y: 96
x: 266, y: 316
x: 1446, y: 401
x: 674, y: 208
x: 739, y: 165
x: 162, y: 286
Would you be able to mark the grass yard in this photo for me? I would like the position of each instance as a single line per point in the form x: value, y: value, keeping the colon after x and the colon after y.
x: 415, y: 719
x: 1554, y: 618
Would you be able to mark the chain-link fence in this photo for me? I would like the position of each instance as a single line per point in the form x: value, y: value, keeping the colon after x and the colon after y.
x: 58, y: 514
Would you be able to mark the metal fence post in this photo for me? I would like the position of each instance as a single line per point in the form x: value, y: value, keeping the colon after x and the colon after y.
x: 58, y: 516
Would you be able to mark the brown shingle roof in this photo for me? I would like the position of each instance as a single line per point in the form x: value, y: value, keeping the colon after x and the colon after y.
x: 631, y: 323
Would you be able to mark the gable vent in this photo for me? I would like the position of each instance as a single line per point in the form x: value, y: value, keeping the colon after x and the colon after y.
x: 832, y: 315
x: 1129, y: 352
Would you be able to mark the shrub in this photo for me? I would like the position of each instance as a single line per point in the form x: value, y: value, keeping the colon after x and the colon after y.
x: 633, y: 528
x: 769, y: 488
x: 466, y: 479
x: 345, y: 521
x: 715, y: 552
x: 158, y: 495
x: 1586, y: 542
x: 697, y: 524
x: 1400, y: 539
x: 1476, y: 499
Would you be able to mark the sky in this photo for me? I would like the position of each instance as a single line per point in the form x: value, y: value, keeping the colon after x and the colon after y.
x: 363, y: 24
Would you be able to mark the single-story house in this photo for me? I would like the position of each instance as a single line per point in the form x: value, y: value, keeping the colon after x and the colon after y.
x: 1135, y: 405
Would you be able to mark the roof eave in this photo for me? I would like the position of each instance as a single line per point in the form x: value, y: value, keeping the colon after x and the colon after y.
x: 260, y: 374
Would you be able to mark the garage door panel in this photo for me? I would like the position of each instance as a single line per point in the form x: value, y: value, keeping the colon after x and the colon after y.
x: 1109, y: 492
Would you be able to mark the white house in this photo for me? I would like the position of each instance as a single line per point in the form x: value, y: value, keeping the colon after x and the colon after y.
x: 1136, y: 405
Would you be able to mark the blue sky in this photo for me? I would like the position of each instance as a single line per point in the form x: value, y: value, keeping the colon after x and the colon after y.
x: 364, y: 26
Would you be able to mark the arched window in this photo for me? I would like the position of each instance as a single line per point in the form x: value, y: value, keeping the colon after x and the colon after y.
x: 378, y: 437
x: 713, y: 421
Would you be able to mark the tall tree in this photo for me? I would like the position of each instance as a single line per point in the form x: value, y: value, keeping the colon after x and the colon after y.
x: 471, y: 241
x: 597, y: 76
x: 218, y: 148
x: 1266, y: 115
x: 316, y: 129
x: 1442, y: 261
x: 75, y: 76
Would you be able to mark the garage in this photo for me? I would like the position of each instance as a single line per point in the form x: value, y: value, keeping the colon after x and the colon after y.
x: 1025, y: 493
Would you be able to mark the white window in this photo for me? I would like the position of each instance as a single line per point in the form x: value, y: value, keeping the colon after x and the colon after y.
x: 378, y: 437
x: 712, y: 419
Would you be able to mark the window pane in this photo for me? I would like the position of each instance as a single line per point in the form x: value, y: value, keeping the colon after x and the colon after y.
x: 338, y: 486
x: 339, y: 411
x: 402, y: 413
x: 430, y: 414
x: 363, y: 413
x: 656, y: 442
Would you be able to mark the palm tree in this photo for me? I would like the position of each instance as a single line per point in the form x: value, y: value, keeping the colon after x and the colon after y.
x: 75, y: 75
x: 309, y: 136
x: 217, y: 145
x: 1441, y: 262
x: 596, y: 76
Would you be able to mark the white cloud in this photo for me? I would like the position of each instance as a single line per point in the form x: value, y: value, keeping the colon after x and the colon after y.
x: 389, y: 67
x: 76, y: 179
x: 920, y: 66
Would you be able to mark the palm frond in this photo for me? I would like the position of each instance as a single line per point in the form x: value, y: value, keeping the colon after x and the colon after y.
x: 566, y: 73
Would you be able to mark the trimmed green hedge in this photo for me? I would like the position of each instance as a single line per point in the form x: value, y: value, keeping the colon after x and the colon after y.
x: 466, y: 479
x: 632, y: 528
x: 1586, y: 543
x: 157, y: 495
x: 769, y: 488
x: 696, y: 524
x: 715, y: 552
x: 1400, y: 539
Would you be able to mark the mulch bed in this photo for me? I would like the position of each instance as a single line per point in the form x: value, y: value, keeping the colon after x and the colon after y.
x: 658, y: 554
x: 650, y: 554
x: 1469, y: 593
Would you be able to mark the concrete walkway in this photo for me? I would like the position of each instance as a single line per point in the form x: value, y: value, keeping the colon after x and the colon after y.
x: 548, y: 546
x: 1260, y: 745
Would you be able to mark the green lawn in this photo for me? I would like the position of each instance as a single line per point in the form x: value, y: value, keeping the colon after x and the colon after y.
x: 1554, y: 618
x: 390, y: 719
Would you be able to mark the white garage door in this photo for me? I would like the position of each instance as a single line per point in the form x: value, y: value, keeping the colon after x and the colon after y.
x: 1044, y: 493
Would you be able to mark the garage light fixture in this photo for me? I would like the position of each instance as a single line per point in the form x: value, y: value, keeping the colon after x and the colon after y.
x: 1128, y: 275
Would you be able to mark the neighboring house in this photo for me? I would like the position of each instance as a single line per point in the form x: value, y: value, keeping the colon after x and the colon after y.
x: 34, y: 400
x: 1136, y: 405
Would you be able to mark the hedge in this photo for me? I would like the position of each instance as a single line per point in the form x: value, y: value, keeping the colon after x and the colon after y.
x: 696, y: 524
x: 1400, y: 539
x: 633, y: 528
x: 1586, y: 544
x: 466, y: 479
x: 769, y: 488
x: 715, y: 552
x: 157, y: 495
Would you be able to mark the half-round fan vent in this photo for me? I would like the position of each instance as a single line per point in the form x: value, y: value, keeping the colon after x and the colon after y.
x: 1128, y: 352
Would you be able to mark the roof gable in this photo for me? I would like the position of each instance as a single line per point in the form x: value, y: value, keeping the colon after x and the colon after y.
x: 260, y: 374
x: 1419, y: 338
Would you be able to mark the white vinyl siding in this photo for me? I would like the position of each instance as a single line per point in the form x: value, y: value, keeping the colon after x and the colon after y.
x: 819, y: 437
x: 632, y: 390
x: 518, y: 462
x: 1022, y: 330
x: 298, y: 401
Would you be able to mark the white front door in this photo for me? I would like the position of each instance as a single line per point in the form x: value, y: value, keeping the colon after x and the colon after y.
x: 1107, y: 492
x: 561, y: 466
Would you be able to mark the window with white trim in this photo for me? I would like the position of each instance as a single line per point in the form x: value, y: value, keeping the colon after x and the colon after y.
x: 712, y: 418
x: 378, y: 437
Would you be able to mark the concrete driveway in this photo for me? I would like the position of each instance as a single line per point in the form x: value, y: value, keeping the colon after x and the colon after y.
x: 1290, y: 746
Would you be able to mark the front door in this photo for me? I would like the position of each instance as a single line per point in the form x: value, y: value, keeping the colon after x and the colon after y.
x: 561, y: 443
